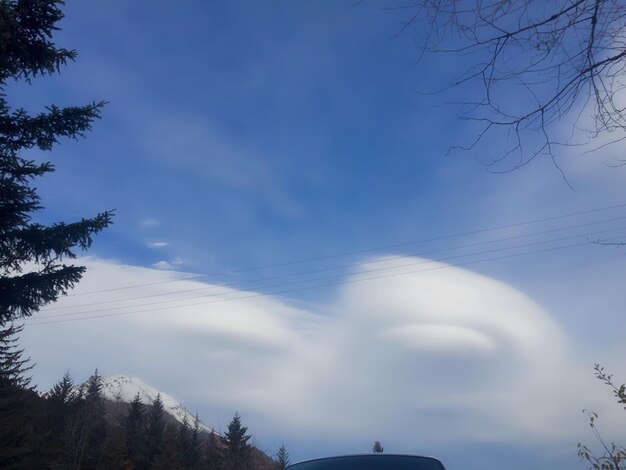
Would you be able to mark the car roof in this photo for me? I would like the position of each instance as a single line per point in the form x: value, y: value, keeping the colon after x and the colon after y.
x: 357, y: 461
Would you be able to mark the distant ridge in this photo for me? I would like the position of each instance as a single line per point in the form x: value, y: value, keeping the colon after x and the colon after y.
x: 121, y: 388
x: 119, y: 391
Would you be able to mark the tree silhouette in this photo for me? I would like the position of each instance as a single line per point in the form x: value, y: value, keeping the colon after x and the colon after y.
x: 155, y: 429
x: 12, y: 365
x: 558, y: 60
x: 135, y: 433
x: 613, y: 456
x: 32, y: 268
x: 237, y: 448
x: 378, y: 448
x: 282, y: 458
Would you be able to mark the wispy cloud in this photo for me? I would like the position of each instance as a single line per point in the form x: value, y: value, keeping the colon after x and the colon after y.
x: 158, y: 244
x: 163, y: 265
x: 149, y: 223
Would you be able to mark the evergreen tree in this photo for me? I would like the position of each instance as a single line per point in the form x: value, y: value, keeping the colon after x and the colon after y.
x: 12, y: 366
x: 213, y: 456
x: 66, y: 455
x: 237, y: 448
x: 378, y: 448
x: 282, y: 458
x: 168, y: 457
x: 88, y: 429
x: 16, y: 417
x: 95, y: 411
x: 62, y: 402
x: 154, y: 430
x: 188, y: 444
x: 135, y: 434
x: 114, y: 453
x: 21, y: 429
x: 32, y: 271
x: 63, y: 391
x: 192, y: 459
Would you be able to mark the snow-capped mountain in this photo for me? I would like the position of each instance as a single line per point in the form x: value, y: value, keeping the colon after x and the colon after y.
x: 120, y: 388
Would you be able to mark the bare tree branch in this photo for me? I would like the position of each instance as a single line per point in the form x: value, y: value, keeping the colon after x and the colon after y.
x: 543, y: 66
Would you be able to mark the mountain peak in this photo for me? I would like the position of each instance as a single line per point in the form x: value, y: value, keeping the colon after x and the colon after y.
x: 121, y: 388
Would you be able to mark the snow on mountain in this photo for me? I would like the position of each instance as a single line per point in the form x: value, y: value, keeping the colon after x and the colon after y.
x: 125, y: 389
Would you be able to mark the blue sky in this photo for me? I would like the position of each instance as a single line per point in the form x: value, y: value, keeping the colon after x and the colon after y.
x: 246, y: 134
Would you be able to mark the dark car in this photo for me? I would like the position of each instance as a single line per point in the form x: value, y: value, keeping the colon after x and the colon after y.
x: 371, y: 462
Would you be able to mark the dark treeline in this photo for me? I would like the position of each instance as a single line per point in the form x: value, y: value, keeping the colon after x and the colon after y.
x: 78, y: 428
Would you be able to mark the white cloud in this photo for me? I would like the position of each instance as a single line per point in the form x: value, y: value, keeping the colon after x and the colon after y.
x: 200, y: 145
x: 171, y: 265
x: 149, y: 223
x: 473, y: 356
x: 441, y: 337
x: 163, y: 265
x: 158, y: 244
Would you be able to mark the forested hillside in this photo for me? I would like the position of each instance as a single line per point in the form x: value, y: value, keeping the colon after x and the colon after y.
x: 73, y: 427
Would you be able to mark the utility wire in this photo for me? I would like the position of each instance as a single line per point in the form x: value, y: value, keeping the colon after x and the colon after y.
x: 425, y: 240
x: 348, y: 281
x: 369, y: 250
x: 251, y: 282
x: 337, y: 276
x: 136, y: 285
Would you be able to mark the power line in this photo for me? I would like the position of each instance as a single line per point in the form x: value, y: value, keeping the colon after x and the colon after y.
x: 136, y: 285
x: 424, y: 240
x: 369, y: 250
x: 332, y: 277
x: 348, y: 281
x: 251, y: 283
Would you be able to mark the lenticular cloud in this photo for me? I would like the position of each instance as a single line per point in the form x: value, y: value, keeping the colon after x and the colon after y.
x: 471, y: 356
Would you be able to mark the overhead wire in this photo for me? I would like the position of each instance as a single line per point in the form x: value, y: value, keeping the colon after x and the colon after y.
x: 346, y: 281
x: 367, y: 250
x: 250, y: 284
x: 366, y: 271
x: 427, y: 240
x: 169, y: 281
